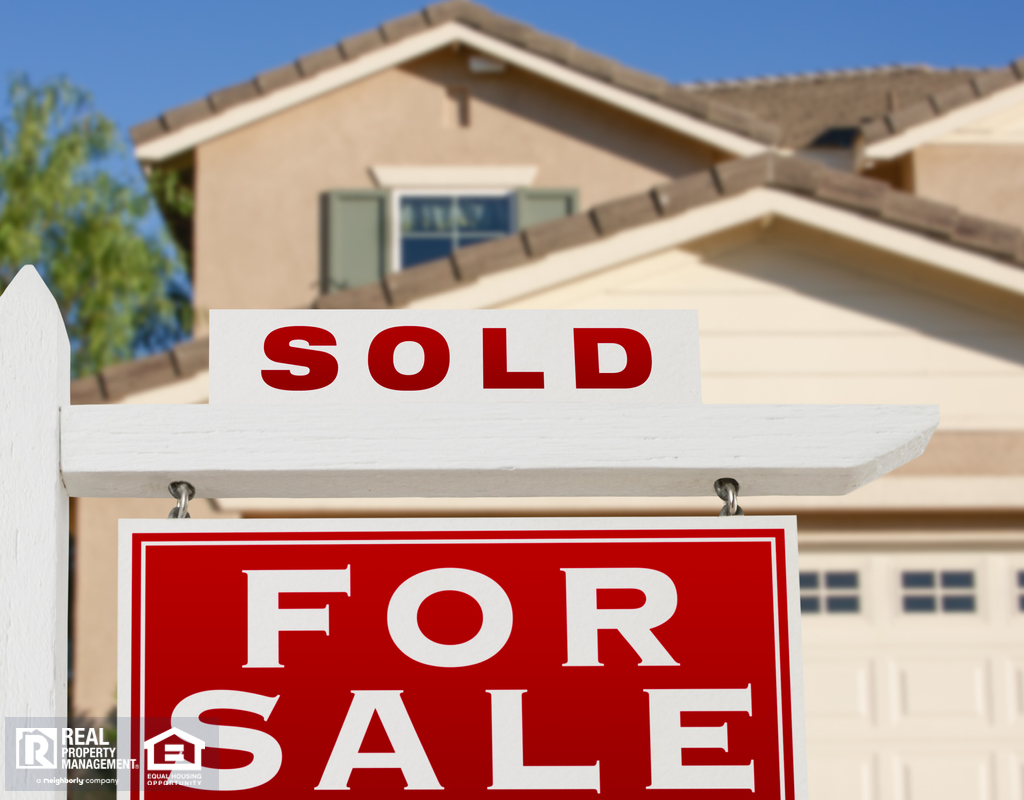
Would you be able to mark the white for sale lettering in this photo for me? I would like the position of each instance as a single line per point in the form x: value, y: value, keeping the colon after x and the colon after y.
x: 584, y: 619
x: 669, y: 738
x: 667, y: 707
x: 408, y: 756
x: 266, y: 617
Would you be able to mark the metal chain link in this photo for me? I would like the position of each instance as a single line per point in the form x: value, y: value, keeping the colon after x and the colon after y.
x: 729, y: 490
x: 182, y: 491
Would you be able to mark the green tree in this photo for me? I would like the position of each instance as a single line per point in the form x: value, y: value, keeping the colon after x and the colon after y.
x: 64, y: 208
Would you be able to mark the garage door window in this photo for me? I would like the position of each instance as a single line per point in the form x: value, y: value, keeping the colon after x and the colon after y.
x: 829, y: 592
x: 945, y: 592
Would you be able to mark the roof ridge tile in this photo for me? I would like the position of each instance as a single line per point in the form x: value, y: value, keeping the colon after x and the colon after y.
x: 939, y: 103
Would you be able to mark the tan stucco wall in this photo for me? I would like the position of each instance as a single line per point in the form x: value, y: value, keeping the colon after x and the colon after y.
x: 257, y: 189
x: 982, y: 179
x: 94, y: 601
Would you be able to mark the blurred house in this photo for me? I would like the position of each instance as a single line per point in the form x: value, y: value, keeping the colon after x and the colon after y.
x: 848, y: 237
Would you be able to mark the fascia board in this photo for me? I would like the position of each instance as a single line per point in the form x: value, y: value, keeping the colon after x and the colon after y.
x: 580, y: 262
x: 917, y: 135
x: 421, y: 44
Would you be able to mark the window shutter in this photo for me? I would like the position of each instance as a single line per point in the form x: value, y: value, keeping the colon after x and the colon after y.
x: 534, y: 206
x: 355, y: 224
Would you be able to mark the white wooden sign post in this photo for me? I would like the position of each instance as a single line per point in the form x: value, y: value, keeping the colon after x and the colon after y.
x: 351, y: 445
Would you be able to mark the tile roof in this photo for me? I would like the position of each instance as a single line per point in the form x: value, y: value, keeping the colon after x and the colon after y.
x: 854, y: 193
x: 819, y: 108
x: 681, y: 99
x: 835, y: 187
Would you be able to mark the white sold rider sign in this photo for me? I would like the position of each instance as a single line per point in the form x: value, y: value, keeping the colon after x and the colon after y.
x: 323, y: 357
x: 628, y: 657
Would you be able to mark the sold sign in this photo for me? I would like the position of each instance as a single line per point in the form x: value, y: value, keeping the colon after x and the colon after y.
x: 629, y: 657
x: 325, y: 357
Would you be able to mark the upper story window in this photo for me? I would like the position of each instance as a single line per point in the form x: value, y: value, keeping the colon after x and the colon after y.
x: 368, y: 235
x: 943, y: 592
x: 830, y: 592
x: 433, y: 225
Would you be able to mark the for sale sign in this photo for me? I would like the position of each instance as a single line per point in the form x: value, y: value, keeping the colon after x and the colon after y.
x: 533, y: 657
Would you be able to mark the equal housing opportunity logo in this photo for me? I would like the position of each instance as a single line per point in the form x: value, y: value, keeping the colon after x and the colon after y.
x: 174, y: 757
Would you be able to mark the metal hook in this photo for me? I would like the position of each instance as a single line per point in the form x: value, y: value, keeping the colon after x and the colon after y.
x: 182, y: 491
x: 729, y: 490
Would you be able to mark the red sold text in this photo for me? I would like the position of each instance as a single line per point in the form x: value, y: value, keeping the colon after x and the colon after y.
x: 310, y: 368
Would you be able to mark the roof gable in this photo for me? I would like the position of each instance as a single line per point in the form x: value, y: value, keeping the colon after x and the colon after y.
x: 456, y: 21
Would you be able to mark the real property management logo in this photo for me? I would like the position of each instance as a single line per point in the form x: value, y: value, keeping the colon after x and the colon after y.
x: 41, y: 747
x: 36, y: 748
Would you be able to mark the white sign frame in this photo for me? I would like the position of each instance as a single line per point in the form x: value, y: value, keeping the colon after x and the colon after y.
x: 50, y: 451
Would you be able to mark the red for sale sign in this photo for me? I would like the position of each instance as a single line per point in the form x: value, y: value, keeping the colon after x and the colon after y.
x: 530, y: 657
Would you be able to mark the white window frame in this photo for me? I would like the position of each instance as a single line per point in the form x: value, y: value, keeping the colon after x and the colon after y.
x: 398, y: 195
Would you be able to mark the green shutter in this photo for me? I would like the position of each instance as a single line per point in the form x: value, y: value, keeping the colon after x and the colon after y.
x: 534, y: 206
x: 355, y: 237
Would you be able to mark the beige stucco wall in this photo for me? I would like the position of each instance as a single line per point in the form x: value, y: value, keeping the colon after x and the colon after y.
x: 258, y: 188
x: 982, y: 179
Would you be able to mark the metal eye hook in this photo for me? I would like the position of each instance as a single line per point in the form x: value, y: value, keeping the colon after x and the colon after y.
x: 182, y: 491
x: 729, y: 490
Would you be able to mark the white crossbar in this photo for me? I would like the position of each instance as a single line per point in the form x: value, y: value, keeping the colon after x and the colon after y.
x: 485, y: 450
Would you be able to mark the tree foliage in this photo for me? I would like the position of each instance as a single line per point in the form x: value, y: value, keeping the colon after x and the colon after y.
x: 64, y: 208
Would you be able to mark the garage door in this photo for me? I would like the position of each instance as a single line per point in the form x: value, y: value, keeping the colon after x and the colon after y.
x: 914, y: 672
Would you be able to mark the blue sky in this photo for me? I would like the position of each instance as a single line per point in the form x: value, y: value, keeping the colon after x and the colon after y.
x: 139, y: 58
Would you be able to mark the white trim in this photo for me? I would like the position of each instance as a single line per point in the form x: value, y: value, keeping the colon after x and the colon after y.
x: 557, y: 449
x: 575, y: 263
x: 917, y: 135
x: 421, y: 44
x: 448, y: 175
x: 966, y: 493
x: 395, y: 234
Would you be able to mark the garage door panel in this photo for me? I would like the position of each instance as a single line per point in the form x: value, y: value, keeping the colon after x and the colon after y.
x: 839, y: 695
x: 936, y: 690
x: 1015, y: 692
x: 945, y: 775
x: 842, y: 776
